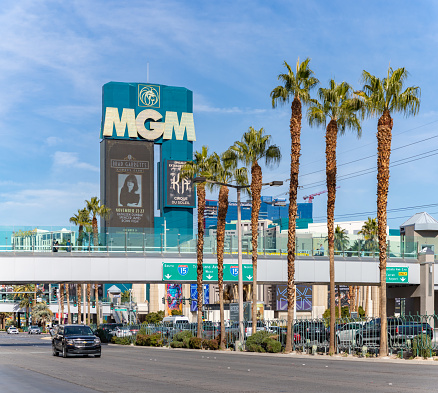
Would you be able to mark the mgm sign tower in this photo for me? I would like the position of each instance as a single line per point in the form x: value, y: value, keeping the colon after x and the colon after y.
x: 134, y: 183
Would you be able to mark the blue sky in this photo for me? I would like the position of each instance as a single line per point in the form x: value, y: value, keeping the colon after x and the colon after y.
x: 56, y: 55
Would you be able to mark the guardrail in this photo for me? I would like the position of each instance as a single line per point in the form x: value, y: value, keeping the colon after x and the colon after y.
x: 408, y: 336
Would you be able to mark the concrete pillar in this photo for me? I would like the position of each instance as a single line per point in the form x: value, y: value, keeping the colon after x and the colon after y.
x: 425, y: 290
x: 319, y: 300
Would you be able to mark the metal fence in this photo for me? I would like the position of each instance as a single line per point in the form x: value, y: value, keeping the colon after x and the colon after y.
x: 408, y: 336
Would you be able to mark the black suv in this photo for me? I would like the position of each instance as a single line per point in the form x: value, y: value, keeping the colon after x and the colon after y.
x: 75, y: 339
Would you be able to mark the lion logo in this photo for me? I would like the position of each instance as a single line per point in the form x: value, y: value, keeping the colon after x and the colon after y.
x: 149, y: 96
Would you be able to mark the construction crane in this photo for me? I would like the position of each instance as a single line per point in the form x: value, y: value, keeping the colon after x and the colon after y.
x: 311, y: 196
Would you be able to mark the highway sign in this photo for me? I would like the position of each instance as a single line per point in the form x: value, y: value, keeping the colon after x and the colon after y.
x: 397, y: 274
x: 188, y: 272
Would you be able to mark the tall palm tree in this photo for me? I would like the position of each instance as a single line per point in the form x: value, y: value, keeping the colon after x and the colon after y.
x: 96, y: 209
x: 42, y: 313
x: 336, y: 106
x: 89, y: 303
x: 61, y: 302
x: 381, y: 97
x: 298, y: 85
x: 225, y: 171
x: 200, y: 166
x: 253, y: 147
x: 67, y: 298
x: 79, y: 294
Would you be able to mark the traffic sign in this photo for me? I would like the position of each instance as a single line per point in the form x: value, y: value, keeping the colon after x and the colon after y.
x: 188, y: 272
x: 397, y: 274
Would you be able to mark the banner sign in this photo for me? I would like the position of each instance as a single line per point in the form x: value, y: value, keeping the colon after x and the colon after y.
x: 179, y: 192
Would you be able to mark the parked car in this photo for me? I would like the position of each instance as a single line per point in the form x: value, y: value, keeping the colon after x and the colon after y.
x: 12, y: 330
x: 346, y: 334
x: 75, y: 339
x: 312, y: 331
x: 122, y: 332
x: 34, y: 330
x: 260, y: 326
x: 399, y: 330
x: 282, y: 331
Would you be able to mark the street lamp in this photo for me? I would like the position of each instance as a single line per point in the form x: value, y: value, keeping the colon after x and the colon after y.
x: 274, y: 183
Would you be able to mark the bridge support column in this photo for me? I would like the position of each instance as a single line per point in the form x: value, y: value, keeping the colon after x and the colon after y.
x: 426, y: 290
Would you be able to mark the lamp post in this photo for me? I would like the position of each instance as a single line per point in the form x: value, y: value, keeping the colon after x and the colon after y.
x: 239, y: 240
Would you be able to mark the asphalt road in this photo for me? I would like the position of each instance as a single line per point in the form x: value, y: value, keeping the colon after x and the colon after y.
x: 27, y: 365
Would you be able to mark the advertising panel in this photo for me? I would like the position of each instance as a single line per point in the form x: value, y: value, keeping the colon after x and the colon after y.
x: 303, y: 297
x: 194, y: 296
x: 179, y: 192
x: 129, y: 183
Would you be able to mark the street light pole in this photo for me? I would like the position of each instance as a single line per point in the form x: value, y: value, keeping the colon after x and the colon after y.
x: 239, y: 261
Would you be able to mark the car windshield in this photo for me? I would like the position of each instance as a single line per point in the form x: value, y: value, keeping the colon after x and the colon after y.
x: 79, y: 330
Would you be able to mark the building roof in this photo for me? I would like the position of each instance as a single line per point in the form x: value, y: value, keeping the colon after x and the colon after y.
x: 422, y: 222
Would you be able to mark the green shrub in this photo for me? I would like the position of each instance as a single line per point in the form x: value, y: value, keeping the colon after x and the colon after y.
x: 271, y: 345
x: 422, y: 346
x: 181, y: 336
x: 149, y: 340
x: 178, y: 344
x: 195, y: 342
x: 121, y: 340
x: 254, y: 342
x: 155, y: 317
x: 210, y: 344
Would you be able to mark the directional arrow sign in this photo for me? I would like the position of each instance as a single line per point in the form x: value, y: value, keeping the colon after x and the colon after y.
x: 397, y: 274
x: 188, y: 272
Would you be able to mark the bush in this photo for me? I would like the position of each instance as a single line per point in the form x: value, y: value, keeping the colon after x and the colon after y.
x: 154, y: 317
x: 149, y: 340
x: 271, y: 345
x: 422, y: 346
x: 121, y: 340
x: 178, y: 344
x: 195, y: 342
x: 210, y: 344
x: 254, y: 342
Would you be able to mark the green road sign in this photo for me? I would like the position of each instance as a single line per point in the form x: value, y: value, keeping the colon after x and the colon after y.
x: 188, y: 272
x: 121, y: 309
x: 397, y: 274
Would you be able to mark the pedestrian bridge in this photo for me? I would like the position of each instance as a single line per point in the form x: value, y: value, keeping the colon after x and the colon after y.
x: 107, y: 267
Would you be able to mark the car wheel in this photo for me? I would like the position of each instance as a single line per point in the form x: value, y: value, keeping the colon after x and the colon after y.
x: 64, y: 352
x: 54, y: 351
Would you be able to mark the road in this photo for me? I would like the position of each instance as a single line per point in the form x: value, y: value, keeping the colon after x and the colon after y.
x: 27, y: 365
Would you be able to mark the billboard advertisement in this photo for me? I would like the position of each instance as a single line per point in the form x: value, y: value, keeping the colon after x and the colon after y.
x: 194, y: 296
x: 303, y: 297
x: 179, y: 192
x: 128, y: 186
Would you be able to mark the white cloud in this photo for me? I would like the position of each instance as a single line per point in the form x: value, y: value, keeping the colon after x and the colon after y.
x: 62, y: 160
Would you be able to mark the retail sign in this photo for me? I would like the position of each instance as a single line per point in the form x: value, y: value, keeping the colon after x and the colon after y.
x: 179, y: 192
x: 397, y: 274
x: 188, y: 272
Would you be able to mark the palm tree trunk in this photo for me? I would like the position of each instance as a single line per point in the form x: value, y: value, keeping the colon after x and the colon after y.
x: 357, y: 299
x: 339, y: 302
x: 80, y: 236
x: 79, y: 293
x: 367, y: 300
x: 220, y: 237
x: 384, y: 136
x: 351, y: 300
x: 200, y: 253
x: 67, y: 295
x: 61, y: 301
x: 95, y: 234
x: 295, y: 133
x: 96, y: 295
x: 330, y: 152
x: 256, y: 189
x: 89, y: 303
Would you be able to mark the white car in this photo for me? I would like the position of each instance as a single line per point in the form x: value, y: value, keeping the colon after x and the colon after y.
x: 34, y: 330
x: 347, y: 334
x: 122, y: 332
x: 12, y: 330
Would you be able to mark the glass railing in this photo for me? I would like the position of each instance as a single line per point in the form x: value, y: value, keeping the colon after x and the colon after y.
x: 146, y: 240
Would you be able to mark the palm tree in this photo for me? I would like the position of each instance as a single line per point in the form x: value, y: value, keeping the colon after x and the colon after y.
x: 341, y: 240
x: 89, y: 303
x: 369, y: 231
x: 200, y: 166
x: 255, y: 146
x: 225, y: 171
x: 297, y: 85
x: 25, y: 298
x: 96, y: 209
x: 79, y: 293
x: 336, y: 105
x: 380, y: 98
x: 61, y: 302
x: 81, y: 219
x: 42, y: 313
